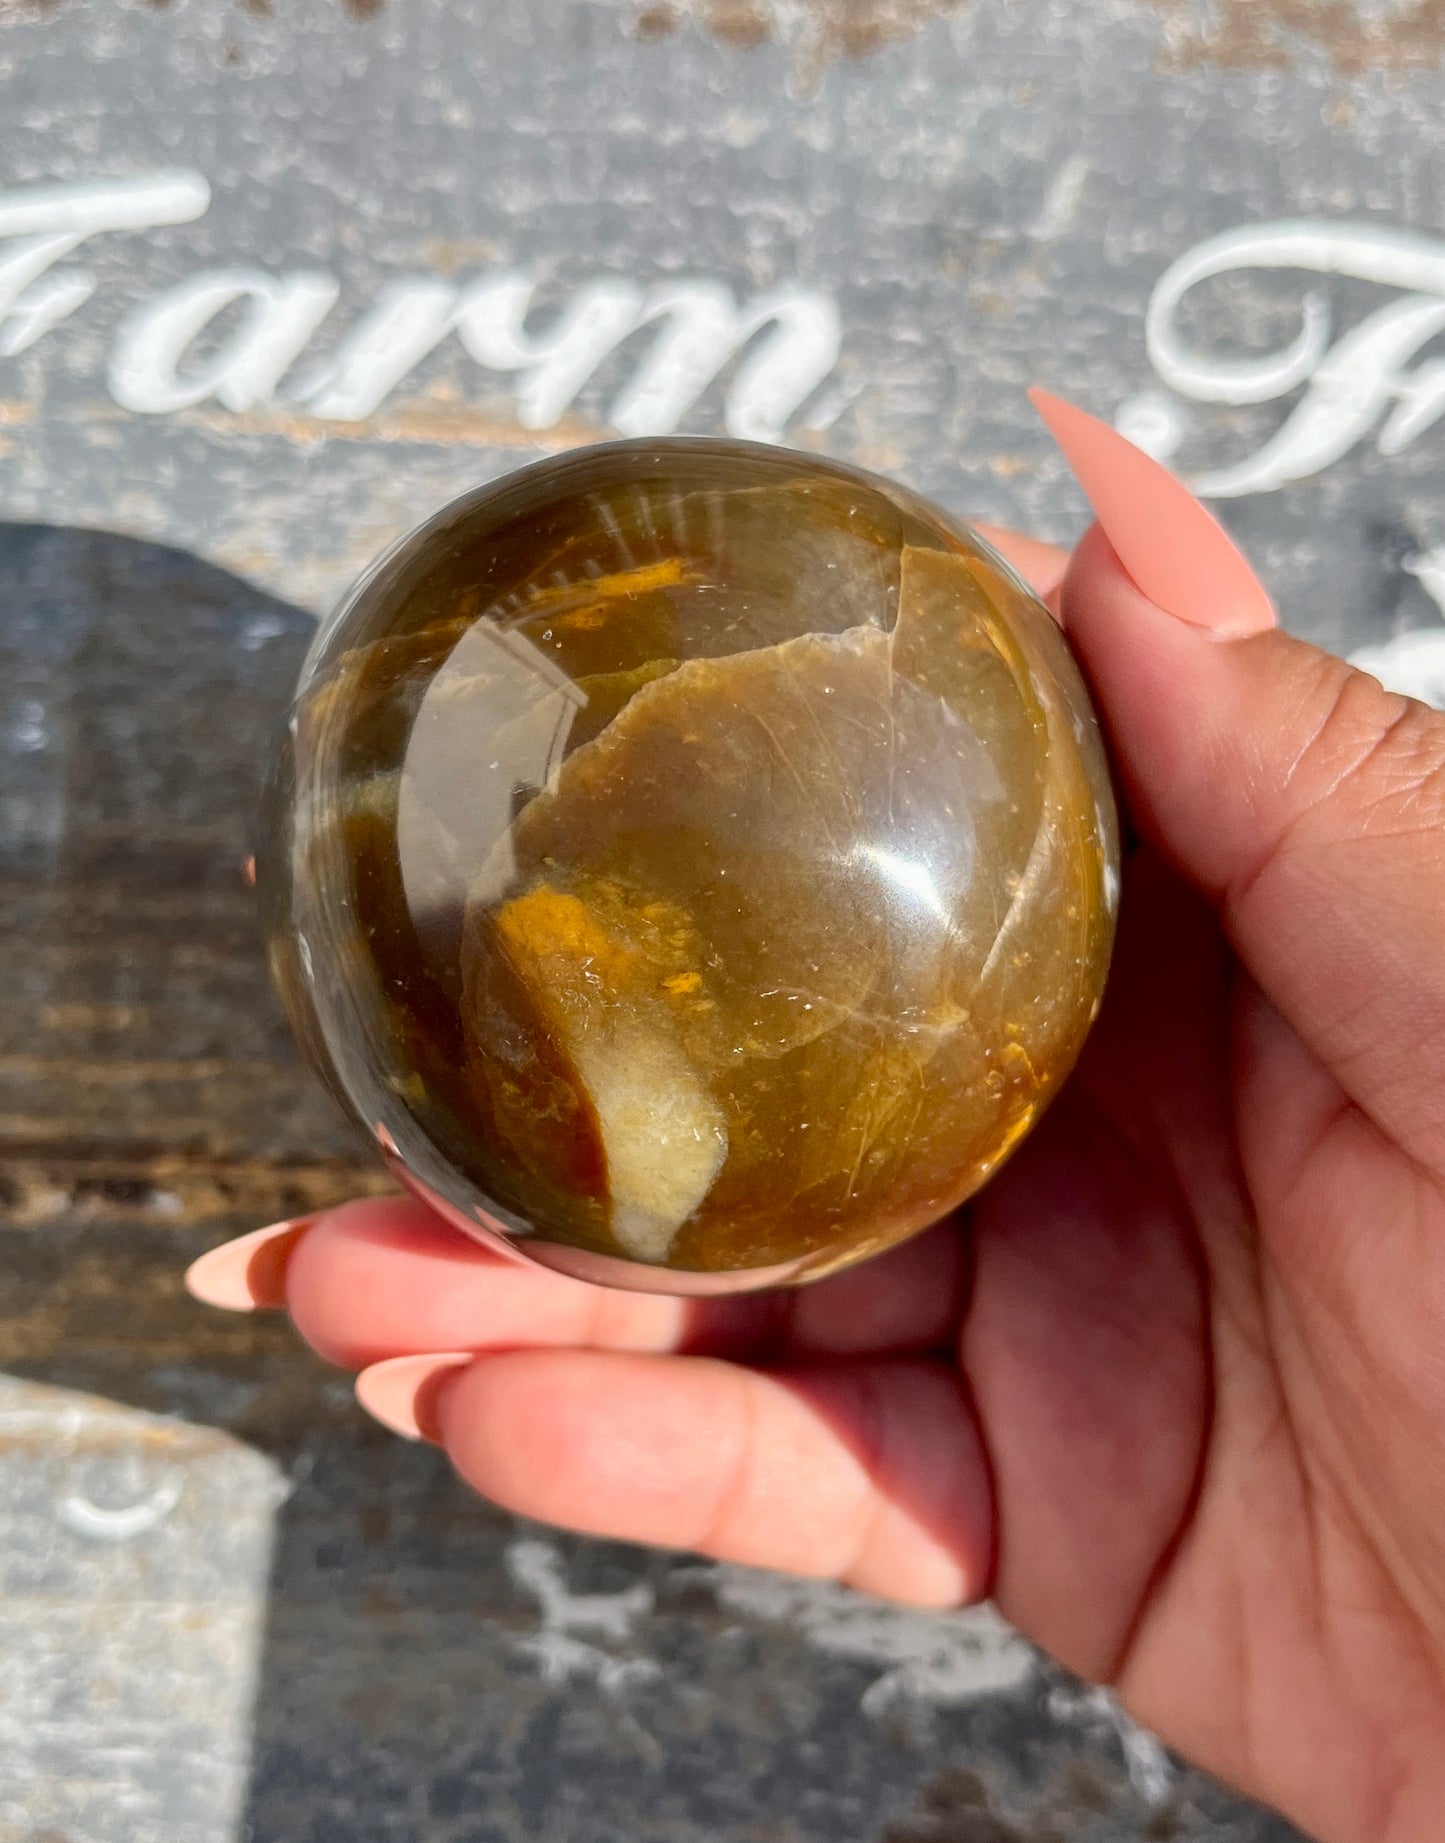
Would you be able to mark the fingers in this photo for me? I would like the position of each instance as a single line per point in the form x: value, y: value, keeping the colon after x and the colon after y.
x: 866, y: 1471
x: 385, y: 1278
x: 1305, y: 800
x: 870, y: 1473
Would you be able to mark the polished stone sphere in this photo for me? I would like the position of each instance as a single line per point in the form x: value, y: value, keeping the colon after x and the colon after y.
x: 691, y: 862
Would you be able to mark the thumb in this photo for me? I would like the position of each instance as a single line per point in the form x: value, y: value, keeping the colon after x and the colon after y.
x: 1303, y: 799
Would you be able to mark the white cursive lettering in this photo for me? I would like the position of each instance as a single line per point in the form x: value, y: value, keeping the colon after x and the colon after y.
x: 237, y: 335
x: 44, y: 224
x: 1350, y: 384
x: 700, y: 328
x: 555, y: 364
x: 282, y: 314
x: 234, y: 334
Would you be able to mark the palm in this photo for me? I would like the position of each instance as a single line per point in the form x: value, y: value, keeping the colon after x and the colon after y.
x: 1190, y: 1341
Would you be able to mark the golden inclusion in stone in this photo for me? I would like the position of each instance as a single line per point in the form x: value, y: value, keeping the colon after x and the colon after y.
x: 694, y: 862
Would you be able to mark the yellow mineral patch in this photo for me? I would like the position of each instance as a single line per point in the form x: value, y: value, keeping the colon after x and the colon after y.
x: 582, y: 604
x: 550, y: 925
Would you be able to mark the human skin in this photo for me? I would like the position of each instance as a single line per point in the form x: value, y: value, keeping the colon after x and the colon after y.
x: 1172, y: 1390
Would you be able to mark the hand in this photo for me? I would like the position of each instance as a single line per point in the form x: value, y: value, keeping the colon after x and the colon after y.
x: 1174, y: 1390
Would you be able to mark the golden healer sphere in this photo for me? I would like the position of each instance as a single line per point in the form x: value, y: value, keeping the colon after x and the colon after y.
x: 693, y: 863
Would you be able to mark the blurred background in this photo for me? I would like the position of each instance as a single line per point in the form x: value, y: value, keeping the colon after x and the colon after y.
x: 276, y: 278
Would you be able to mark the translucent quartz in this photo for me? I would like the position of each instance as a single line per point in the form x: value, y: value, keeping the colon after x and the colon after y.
x: 694, y: 862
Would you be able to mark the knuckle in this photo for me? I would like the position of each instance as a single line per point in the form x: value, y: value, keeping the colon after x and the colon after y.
x: 1374, y: 747
x: 1369, y: 764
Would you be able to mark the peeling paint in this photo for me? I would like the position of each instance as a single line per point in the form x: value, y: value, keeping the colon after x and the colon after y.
x: 537, y: 1567
x: 1271, y: 34
x: 123, y: 1523
x: 936, y: 1658
x: 819, y: 32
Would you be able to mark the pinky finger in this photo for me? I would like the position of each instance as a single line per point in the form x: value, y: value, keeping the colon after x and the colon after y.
x: 871, y: 1473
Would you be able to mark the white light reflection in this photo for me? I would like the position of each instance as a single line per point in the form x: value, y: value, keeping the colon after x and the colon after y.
x: 494, y: 720
x: 908, y: 876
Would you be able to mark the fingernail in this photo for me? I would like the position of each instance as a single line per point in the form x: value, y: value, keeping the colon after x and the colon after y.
x: 401, y: 1393
x: 249, y: 1273
x: 1176, y: 551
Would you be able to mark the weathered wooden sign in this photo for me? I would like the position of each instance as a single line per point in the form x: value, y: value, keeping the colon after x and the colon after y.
x: 276, y: 278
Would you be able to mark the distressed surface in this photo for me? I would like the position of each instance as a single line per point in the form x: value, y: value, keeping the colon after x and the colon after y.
x: 230, y: 1609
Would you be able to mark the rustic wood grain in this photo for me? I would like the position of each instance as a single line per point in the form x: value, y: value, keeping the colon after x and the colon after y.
x: 150, y: 1100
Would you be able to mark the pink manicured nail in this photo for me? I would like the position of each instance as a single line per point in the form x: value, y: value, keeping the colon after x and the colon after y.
x: 1176, y: 551
x: 250, y: 1272
x: 401, y: 1392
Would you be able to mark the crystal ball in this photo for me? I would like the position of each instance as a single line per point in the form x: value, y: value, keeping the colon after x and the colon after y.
x: 692, y: 863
